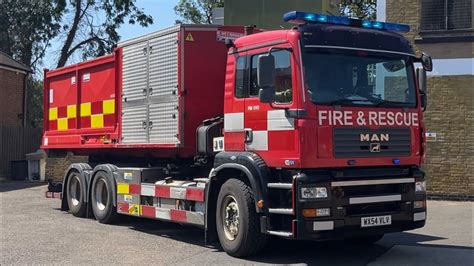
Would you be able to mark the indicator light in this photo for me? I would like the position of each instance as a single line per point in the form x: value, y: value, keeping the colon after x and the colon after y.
x: 396, y: 161
x: 297, y: 17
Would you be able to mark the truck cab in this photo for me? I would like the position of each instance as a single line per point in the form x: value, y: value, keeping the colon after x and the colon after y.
x: 335, y: 110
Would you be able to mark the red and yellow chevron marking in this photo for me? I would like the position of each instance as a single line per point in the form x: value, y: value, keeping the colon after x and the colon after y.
x: 62, y: 118
x: 92, y: 115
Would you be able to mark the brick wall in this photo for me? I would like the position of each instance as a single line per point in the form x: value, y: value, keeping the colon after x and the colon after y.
x: 57, y: 165
x: 450, y: 114
x: 11, y: 97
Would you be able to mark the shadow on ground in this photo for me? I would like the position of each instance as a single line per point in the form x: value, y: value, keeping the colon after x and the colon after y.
x: 8, y: 185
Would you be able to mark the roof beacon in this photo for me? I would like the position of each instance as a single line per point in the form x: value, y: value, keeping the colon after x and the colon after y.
x: 299, y: 18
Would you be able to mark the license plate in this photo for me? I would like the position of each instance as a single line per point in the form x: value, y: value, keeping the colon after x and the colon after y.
x: 375, y: 221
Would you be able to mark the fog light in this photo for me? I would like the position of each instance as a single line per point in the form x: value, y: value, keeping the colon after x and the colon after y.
x: 420, y: 186
x: 323, y: 212
x: 419, y: 204
x: 314, y: 192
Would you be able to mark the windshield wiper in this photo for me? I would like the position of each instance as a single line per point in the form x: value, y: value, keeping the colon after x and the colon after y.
x: 385, y: 103
x: 346, y: 101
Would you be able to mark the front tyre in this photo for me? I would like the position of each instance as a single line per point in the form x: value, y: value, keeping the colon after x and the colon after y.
x: 238, y: 225
x: 102, y: 199
x: 75, y: 195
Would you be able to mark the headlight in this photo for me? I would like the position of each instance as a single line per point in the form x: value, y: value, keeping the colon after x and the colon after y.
x: 314, y: 192
x: 420, y: 186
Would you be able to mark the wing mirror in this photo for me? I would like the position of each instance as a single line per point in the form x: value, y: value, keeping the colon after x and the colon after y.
x: 426, y: 62
x: 421, y: 78
x: 266, y: 78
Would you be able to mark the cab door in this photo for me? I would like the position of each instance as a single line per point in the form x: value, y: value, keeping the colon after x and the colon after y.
x: 268, y: 126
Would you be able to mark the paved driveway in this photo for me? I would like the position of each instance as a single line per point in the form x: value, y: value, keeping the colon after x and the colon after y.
x: 34, y: 230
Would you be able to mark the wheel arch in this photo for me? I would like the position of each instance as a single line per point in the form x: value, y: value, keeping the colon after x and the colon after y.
x: 244, y: 165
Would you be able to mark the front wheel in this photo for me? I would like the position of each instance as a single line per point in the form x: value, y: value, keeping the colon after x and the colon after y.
x: 238, y: 225
x: 102, y: 199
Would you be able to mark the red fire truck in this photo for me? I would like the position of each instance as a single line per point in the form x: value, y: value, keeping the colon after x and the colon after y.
x: 314, y: 132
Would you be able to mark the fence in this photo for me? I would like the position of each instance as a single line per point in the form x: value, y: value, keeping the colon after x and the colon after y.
x: 15, y: 142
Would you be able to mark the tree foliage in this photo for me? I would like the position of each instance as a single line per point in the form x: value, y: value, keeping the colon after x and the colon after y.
x: 26, y: 28
x: 34, y: 103
x: 196, y: 11
x: 363, y: 9
x: 93, y: 37
x: 88, y: 27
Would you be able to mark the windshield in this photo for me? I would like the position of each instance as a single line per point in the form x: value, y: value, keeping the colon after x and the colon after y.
x: 335, y: 77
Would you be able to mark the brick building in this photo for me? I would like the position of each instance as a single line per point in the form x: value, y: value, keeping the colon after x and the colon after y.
x: 445, y: 30
x: 13, y: 78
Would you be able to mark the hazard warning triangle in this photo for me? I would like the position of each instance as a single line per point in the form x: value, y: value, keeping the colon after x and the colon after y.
x: 190, y: 38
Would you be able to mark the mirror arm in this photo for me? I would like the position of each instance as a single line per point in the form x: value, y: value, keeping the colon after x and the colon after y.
x: 273, y: 49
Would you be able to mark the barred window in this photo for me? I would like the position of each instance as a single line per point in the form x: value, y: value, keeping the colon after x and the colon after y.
x: 446, y: 15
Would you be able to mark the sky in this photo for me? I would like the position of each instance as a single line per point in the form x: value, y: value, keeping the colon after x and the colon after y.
x: 161, y: 11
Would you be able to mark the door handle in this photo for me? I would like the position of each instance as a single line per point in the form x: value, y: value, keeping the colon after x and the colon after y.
x: 248, y: 135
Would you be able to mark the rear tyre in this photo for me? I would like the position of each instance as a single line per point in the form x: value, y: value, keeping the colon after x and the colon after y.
x: 366, y: 240
x: 75, y: 195
x: 102, y: 199
x: 238, y: 225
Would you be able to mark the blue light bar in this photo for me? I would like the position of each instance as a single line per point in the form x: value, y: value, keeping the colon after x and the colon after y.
x: 299, y: 18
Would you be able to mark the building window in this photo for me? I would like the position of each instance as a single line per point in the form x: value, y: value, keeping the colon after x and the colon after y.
x: 442, y: 15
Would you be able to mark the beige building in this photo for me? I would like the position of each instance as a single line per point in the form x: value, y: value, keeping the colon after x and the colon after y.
x: 445, y: 30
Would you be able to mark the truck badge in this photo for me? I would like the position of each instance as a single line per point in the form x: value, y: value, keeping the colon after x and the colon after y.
x: 374, y: 147
x: 374, y: 137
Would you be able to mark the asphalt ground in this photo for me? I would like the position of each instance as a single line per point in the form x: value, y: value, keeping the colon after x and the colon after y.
x: 34, y: 231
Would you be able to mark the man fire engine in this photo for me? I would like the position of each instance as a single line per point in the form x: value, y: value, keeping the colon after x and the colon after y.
x: 310, y: 133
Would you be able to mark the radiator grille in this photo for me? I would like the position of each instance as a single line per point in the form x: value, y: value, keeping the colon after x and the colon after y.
x: 348, y: 142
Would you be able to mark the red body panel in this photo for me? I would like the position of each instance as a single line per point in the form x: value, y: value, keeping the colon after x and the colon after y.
x: 93, y: 90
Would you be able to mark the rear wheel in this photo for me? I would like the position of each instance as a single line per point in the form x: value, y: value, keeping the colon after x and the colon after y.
x: 75, y: 195
x: 238, y: 225
x: 102, y: 199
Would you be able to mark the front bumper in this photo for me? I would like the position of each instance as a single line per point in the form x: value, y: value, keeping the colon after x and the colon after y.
x: 350, y: 199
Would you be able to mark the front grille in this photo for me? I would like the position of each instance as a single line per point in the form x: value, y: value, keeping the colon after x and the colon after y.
x: 374, y: 208
x: 355, y: 191
x: 364, y: 142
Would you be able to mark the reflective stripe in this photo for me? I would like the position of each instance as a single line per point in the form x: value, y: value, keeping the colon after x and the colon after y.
x: 323, y: 226
x: 148, y: 190
x: 277, y: 120
x: 53, y: 113
x: 234, y: 121
x: 361, y: 200
x: 122, y: 188
x: 177, y: 193
x: 372, y: 182
x: 259, y: 141
x: 108, y: 106
x: 419, y: 216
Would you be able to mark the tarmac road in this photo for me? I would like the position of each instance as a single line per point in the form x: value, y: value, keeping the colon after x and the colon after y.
x: 34, y: 231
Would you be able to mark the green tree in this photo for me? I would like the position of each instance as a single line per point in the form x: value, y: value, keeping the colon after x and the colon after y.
x: 362, y: 9
x: 34, y: 103
x: 26, y: 28
x: 93, y: 37
x: 196, y: 11
x: 86, y: 26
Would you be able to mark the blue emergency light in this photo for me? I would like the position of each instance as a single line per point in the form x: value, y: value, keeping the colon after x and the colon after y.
x: 297, y: 17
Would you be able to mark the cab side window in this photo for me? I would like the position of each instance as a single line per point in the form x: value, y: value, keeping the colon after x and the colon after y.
x: 283, y: 81
x: 241, y: 77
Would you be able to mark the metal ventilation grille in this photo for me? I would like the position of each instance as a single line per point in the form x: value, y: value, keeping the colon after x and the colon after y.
x: 446, y: 15
x: 348, y: 142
